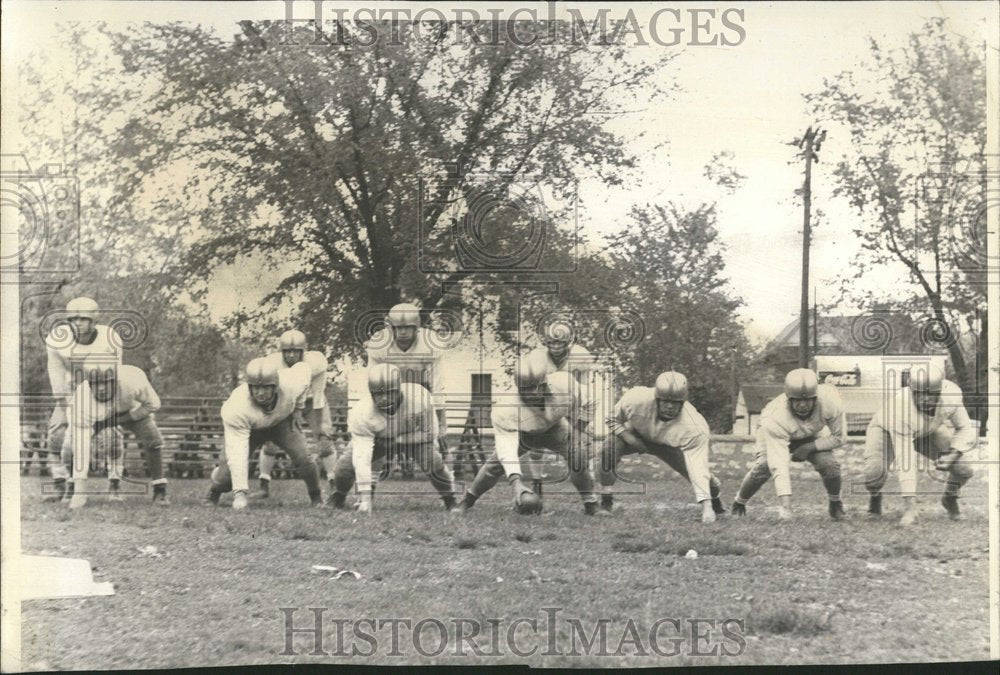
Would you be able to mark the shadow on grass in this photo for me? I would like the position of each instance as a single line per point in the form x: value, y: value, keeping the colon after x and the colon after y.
x: 779, y: 617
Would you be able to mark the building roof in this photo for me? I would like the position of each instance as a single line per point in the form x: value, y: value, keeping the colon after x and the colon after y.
x: 880, y: 332
x: 756, y: 396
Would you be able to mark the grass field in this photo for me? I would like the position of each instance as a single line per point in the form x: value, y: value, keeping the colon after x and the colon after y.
x: 807, y: 591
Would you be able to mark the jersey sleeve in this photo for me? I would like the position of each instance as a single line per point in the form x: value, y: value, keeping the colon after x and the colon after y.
x: 772, y: 439
x: 146, y: 397
x: 317, y: 389
x: 60, y: 378
x: 300, y: 380
x: 965, y: 431
x: 362, y: 432
x: 833, y: 413
x: 620, y: 415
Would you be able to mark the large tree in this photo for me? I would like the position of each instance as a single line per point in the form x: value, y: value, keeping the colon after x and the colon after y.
x: 328, y: 164
x: 916, y: 173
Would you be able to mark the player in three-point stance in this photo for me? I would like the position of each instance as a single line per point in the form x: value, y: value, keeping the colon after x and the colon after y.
x: 112, y: 398
x: 404, y: 344
x: 913, y: 420
x: 661, y: 421
x: 67, y: 347
x: 294, y: 349
x: 806, y: 423
x: 396, y: 414
x: 539, y: 421
x: 267, y: 407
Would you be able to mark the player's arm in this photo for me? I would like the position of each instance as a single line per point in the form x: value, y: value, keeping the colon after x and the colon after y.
x: 362, y: 433
x: 236, y: 433
x: 438, y: 392
x: 60, y: 377
x: 148, y: 400
x: 963, y: 440
x: 833, y: 410
x: 774, y: 441
x: 622, y: 430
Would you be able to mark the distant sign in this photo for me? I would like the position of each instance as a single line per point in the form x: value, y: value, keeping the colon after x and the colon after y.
x: 841, y: 378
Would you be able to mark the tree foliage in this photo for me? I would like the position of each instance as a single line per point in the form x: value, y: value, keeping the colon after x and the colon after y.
x: 916, y: 173
x: 328, y: 164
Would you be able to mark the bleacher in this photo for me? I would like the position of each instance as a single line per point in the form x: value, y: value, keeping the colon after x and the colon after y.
x: 193, y: 439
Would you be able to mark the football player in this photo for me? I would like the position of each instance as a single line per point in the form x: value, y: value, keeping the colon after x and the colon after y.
x: 805, y: 423
x: 661, y: 421
x: 267, y: 407
x: 539, y: 421
x: 67, y: 347
x: 294, y: 349
x: 560, y: 353
x: 397, y: 414
x: 914, y: 420
x: 114, y: 398
x: 404, y: 344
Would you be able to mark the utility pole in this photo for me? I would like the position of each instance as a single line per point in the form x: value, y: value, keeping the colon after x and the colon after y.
x: 809, y: 145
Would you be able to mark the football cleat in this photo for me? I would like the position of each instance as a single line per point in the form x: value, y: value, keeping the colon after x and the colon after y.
x: 718, y: 507
x: 160, y: 495
x: 316, y: 500
x: 590, y: 509
x: 837, y: 510
x: 950, y: 503
x: 114, y: 491
x: 212, y: 498
x: 59, y: 489
x: 739, y: 509
x: 239, y: 500
x: 607, y: 504
x: 78, y: 501
x: 337, y: 500
x: 875, y: 505
x: 449, y: 502
x: 264, y: 491
x: 467, y: 502
x: 68, y: 494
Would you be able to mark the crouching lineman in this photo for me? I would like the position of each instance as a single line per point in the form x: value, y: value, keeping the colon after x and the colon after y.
x: 293, y: 349
x: 404, y: 344
x: 66, y: 347
x: 806, y: 423
x: 112, y: 398
x: 540, y: 421
x: 267, y: 407
x: 560, y: 352
x: 660, y: 420
x: 398, y: 415
x: 914, y: 420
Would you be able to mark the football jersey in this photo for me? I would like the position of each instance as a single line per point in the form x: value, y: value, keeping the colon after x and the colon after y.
x: 64, y: 354
x: 636, y: 411
x: 587, y: 373
x: 317, y: 366
x: 239, y: 412
x: 512, y: 414
x: 901, y: 418
x: 366, y: 424
x: 826, y: 423
x: 134, y: 395
x: 420, y: 364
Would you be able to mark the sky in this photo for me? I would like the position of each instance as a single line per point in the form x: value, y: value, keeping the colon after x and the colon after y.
x: 746, y: 100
